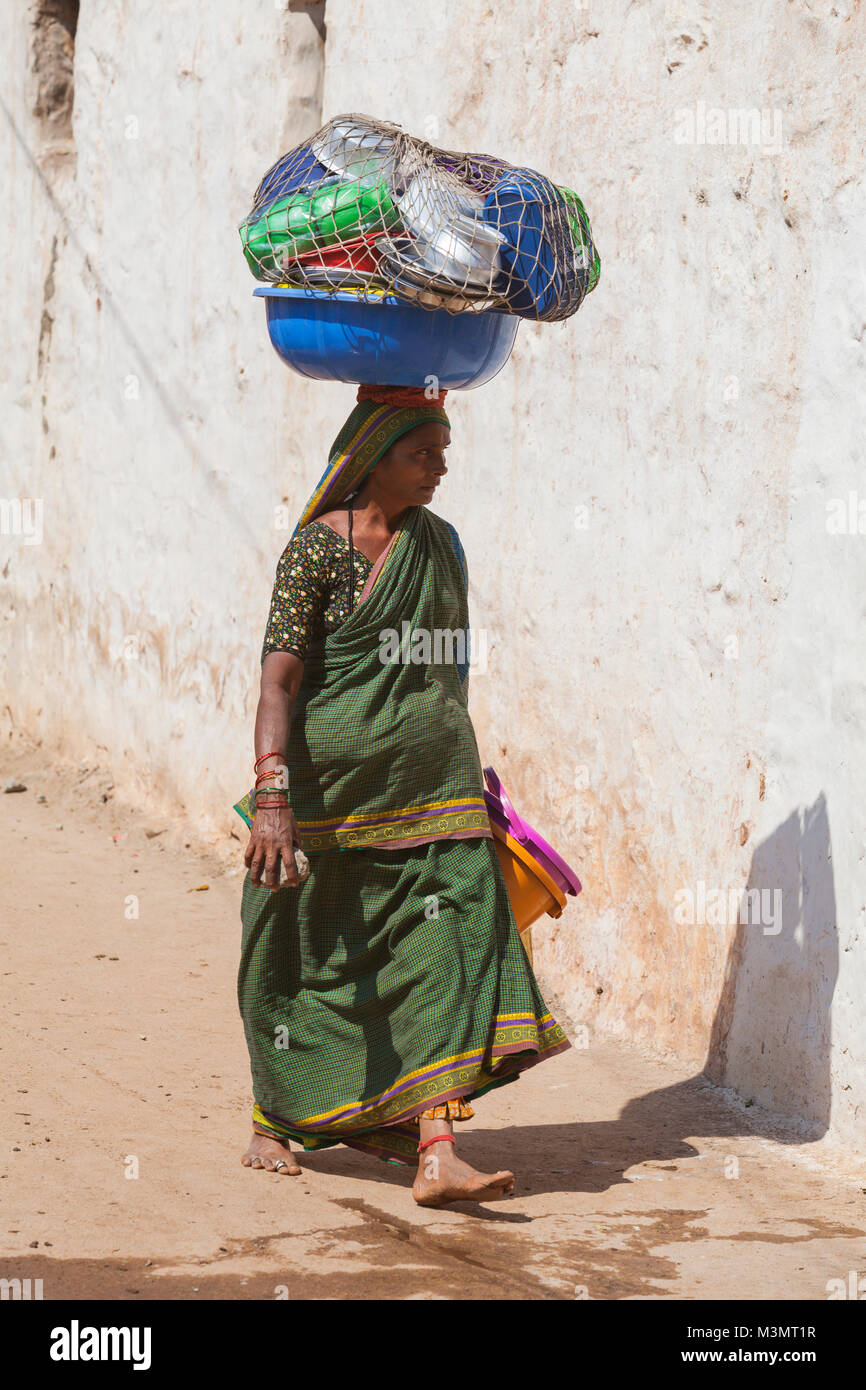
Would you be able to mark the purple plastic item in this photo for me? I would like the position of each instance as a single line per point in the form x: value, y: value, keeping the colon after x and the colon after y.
x: 479, y: 171
x: 500, y: 809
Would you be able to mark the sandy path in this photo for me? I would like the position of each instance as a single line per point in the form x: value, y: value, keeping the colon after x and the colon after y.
x: 122, y: 1041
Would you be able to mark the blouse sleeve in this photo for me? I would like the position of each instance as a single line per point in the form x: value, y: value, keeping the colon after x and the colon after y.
x: 298, y: 599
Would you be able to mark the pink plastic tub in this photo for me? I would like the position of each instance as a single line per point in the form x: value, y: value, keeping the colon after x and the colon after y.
x: 502, y: 812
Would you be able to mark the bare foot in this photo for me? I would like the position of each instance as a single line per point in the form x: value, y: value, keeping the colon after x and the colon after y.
x: 266, y: 1152
x: 443, y: 1177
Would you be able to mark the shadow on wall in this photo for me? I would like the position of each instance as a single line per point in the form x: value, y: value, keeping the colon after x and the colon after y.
x: 771, y: 1035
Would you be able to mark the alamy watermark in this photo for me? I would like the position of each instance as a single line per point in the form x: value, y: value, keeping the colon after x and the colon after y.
x: 77, y: 1343
x: 20, y: 1289
x: 22, y: 516
x: 846, y: 516
x: 715, y: 125
x: 438, y: 646
x: 853, y: 1287
x: 727, y: 907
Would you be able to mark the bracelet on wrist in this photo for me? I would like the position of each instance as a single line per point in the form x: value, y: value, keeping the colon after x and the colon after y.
x: 271, y: 793
x: 265, y: 757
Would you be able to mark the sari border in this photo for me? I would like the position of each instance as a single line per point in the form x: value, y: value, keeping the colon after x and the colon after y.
x: 451, y: 806
x: 431, y: 839
x: 464, y: 1074
x: 394, y: 1142
x: 432, y: 827
x: 332, y: 478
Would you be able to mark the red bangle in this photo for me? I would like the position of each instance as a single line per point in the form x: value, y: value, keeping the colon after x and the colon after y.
x: 274, y: 772
x: 275, y: 754
x: 270, y: 805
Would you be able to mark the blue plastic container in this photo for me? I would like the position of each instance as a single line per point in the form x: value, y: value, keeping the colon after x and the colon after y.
x: 538, y: 255
x: 299, y: 169
x: 343, y: 335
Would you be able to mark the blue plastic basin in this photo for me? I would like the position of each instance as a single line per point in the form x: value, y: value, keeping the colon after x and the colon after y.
x: 339, y: 335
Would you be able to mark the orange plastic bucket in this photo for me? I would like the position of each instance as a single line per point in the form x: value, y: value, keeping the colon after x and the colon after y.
x: 531, y: 890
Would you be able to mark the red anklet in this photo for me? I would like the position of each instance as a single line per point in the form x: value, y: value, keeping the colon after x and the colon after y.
x: 438, y: 1139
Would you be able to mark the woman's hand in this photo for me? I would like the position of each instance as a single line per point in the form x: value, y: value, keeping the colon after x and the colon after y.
x: 273, y: 840
x: 274, y: 836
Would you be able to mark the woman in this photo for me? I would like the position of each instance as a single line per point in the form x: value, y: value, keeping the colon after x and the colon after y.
x: 389, y: 988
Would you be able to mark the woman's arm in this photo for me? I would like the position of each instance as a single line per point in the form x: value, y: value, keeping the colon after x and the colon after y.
x: 274, y: 835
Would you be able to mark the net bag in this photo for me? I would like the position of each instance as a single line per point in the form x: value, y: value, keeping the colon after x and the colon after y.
x: 362, y: 205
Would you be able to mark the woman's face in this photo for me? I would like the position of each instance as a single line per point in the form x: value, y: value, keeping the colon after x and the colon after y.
x: 415, y: 463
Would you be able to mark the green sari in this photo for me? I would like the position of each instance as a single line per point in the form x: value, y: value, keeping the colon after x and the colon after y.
x: 388, y: 982
x: 393, y: 978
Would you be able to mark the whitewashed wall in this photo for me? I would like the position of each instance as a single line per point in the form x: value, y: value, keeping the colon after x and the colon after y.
x: 647, y: 493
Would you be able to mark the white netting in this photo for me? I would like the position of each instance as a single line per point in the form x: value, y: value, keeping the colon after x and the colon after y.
x: 364, y: 205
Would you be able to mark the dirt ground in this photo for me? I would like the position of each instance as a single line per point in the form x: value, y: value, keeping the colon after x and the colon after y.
x: 126, y: 1104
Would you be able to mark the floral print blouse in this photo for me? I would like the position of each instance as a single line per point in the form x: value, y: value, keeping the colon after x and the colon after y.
x: 311, y: 590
